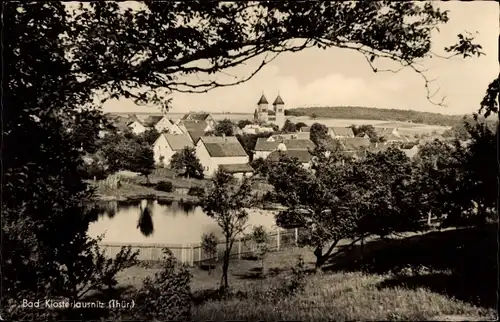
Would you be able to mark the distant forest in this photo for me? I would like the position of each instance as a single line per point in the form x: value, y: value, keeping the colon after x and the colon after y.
x: 366, y: 113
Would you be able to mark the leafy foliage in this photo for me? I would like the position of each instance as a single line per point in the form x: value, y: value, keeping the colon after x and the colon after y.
x: 209, y: 244
x: 224, y: 127
x: 167, y: 296
x: 187, y: 161
x: 126, y: 151
x: 289, y: 127
x: 226, y: 202
x: 260, y: 166
x: 318, y: 134
x: 248, y: 141
x: 149, y: 136
x: 261, y: 238
x: 365, y: 130
x: 243, y: 123
x: 166, y: 186
x: 196, y: 191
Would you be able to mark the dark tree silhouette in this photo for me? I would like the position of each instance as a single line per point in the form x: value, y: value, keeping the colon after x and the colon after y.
x: 224, y: 127
x: 187, y: 162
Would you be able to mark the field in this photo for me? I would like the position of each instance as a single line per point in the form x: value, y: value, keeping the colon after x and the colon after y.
x: 455, y: 285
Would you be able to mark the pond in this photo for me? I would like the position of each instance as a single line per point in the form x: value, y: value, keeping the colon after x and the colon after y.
x: 161, y: 222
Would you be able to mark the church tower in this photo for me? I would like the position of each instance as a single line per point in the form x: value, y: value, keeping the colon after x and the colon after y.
x: 262, y: 109
x: 279, y: 109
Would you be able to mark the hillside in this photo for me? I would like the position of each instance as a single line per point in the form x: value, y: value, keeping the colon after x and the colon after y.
x: 366, y: 113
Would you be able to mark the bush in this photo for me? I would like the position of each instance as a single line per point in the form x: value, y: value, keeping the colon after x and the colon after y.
x: 167, y: 296
x: 196, y: 191
x: 166, y: 186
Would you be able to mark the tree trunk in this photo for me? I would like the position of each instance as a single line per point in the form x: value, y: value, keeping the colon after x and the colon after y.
x: 225, y: 266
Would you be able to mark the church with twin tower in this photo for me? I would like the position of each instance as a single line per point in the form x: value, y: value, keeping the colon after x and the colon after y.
x: 276, y: 115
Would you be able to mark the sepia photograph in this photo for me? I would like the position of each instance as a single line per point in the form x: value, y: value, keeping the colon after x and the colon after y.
x: 250, y: 161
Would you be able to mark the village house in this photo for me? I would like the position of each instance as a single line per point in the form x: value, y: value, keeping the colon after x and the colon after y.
x: 264, y: 147
x: 194, y: 126
x: 340, y: 132
x: 305, y: 129
x: 255, y: 128
x: 303, y: 156
x: 168, y: 126
x: 410, y: 149
x: 290, y: 136
x: 200, y: 117
x: 136, y: 126
x: 215, y: 151
x: 167, y: 145
x: 355, y: 146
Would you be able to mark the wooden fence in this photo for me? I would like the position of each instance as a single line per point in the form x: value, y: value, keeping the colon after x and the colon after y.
x: 193, y: 254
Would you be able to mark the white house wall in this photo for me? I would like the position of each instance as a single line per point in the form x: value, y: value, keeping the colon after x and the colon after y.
x: 137, y: 128
x: 161, y: 148
x: 210, y: 164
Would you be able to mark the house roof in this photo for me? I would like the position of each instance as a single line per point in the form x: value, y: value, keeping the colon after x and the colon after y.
x: 152, y: 120
x: 236, y: 168
x: 178, y: 141
x: 278, y: 100
x: 195, y: 116
x: 299, y: 144
x: 194, y: 125
x: 219, y: 147
x: 262, y: 100
x: 355, y: 143
x: 291, y: 144
x: 195, y: 135
x: 384, y: 131
x: 342, y: 131
x: 263, y: 144
x: 302, y: 155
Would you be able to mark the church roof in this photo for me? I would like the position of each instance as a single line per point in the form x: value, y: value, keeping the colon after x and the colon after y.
x: 262, y: 100
x: 278, y: 100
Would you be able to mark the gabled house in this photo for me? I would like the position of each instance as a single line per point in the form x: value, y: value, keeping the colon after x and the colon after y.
x: 137, y: 127
x: 168, y: 126
x: 356, y: 146
x: 167, y: 145
x: 152, y: 120
x: 200, y: 116
x: 264, y: 147
x: 303, y: 156
x: 215, y: 151
x: 340, y: 132
x: 196, y: 126
x: 410, y: 149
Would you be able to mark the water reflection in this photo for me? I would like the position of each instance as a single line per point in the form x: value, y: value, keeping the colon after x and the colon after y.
x: 150, y: 221
x: 145, y: 222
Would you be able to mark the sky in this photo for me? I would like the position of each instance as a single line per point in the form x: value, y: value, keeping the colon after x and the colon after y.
x: 340, y: 77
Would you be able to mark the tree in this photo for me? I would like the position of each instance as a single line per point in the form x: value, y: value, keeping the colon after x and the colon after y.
x: 318, y: 133
x: 289, y: 127
x: 42, y: 190
x: 365, y: 129
x: 300, y: 125
x: 314, y: 116
x: 224, y: 128
x: 187, y: 161
x: 261, y: 238
x: 209, y: 244
x: 227, y: 202
x: 150, y: 136
x: 243, y: 123
x: 260, y: 166
x: 248, y: 141
x: 143, y: 161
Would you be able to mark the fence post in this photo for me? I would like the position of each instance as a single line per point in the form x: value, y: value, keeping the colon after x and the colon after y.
x: 296, y: 236
x: 199, y: 254
x: 191, y: 256
x: 182, y: 253
x: 239, y: 248
x: 278, y: 240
